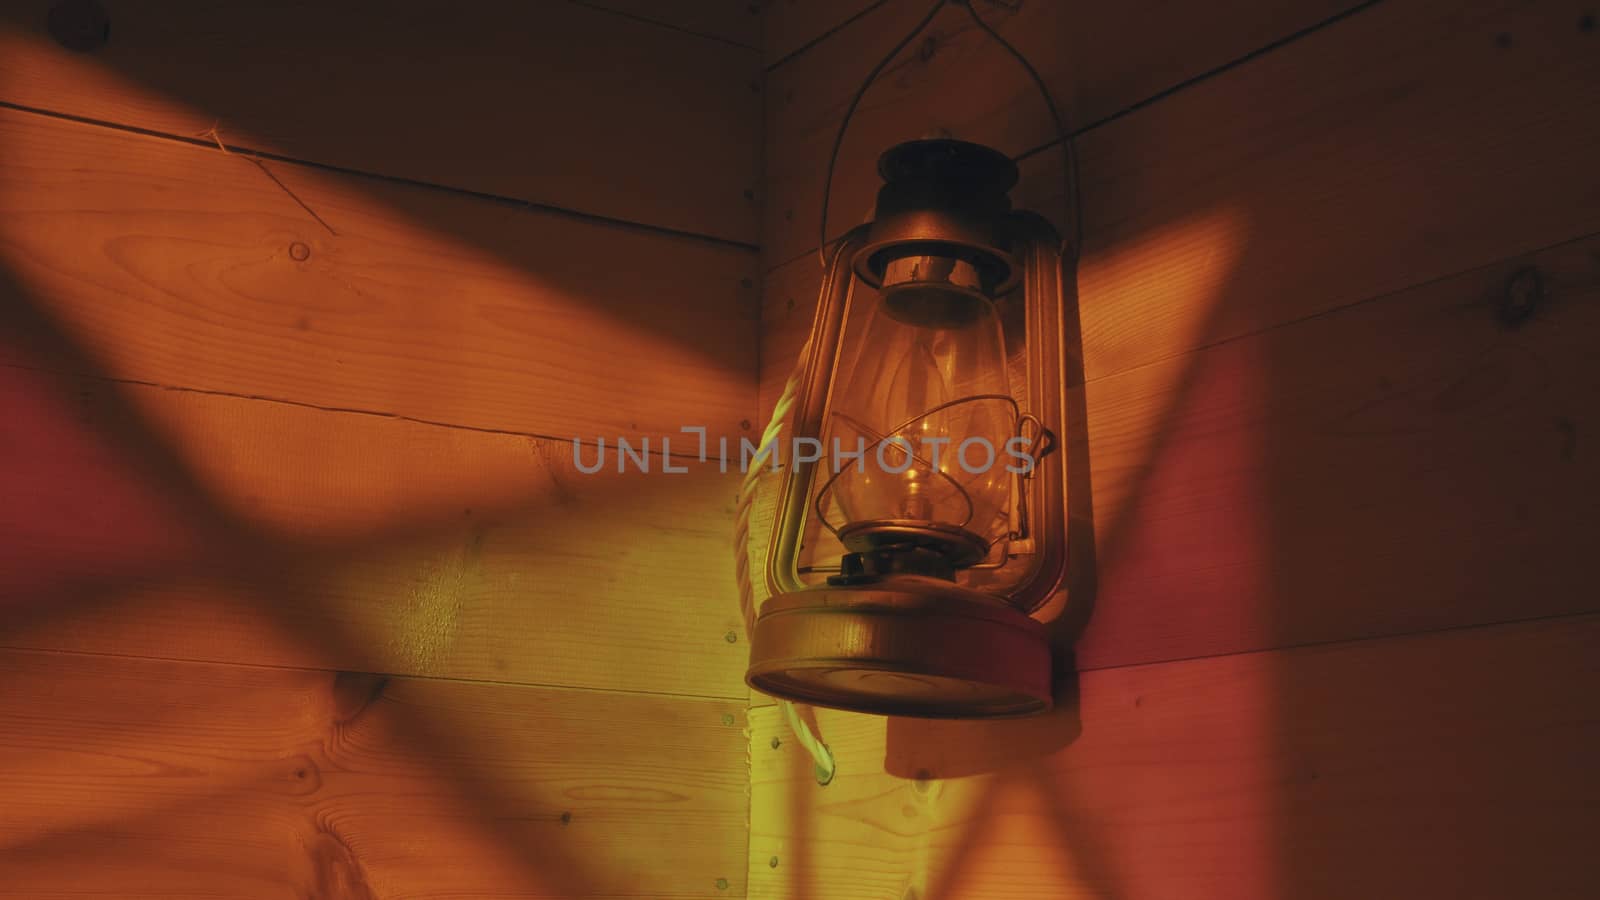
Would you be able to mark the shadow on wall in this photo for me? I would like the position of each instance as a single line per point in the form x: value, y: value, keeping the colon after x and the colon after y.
x: 114, y: 503
x: 1238, y: 495
x: 91, y: 424
x: 102, y: 510
x: 458, y: 282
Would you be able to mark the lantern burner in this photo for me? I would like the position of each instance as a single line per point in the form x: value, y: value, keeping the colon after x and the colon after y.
x: 959, y: 547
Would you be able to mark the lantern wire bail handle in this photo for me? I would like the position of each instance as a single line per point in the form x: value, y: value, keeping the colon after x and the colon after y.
x: 825, y: 763
x: 1069, y: 171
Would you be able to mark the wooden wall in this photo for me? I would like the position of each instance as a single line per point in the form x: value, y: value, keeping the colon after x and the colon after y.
x: 301, y: 305
x: 1340, y: 490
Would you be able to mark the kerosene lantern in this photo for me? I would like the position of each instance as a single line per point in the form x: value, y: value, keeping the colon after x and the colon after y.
x: 936, y: 482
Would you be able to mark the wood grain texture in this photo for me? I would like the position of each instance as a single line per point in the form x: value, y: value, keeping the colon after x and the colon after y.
x: 1098, y: 59
x: 1406, y: 464
x: 150, y: 779
x: 333, y: 540
x: 185, y: 266
x: 551, y: 102
x: 1397, y: 146
x: 1445, y: 765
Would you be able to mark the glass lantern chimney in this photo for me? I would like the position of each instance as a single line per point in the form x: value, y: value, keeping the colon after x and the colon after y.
x: 929, y: 400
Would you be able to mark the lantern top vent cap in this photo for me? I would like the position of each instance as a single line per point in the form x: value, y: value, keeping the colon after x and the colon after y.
x: 942, y: 198
x: 946, y: 159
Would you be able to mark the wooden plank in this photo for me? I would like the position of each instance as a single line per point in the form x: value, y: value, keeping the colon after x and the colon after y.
x: 142, y: 778
x: 1336, y: 477
x: 335, y: 540
x: 1398, y: 146
x: 1445, y: 765
x: 1342, y: 476
x: 181, y: 265
x: 1098, y: 59
x: 737, y: 21
x: 555, y: 103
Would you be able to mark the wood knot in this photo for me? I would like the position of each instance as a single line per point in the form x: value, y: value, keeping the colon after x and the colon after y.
x: 304, y: 777
x: 1522, y: 297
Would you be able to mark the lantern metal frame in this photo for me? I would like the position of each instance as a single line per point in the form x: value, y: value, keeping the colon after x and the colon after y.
x: 932, y: 630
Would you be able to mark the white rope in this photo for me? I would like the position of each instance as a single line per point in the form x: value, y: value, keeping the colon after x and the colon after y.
x: 741, y: 554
